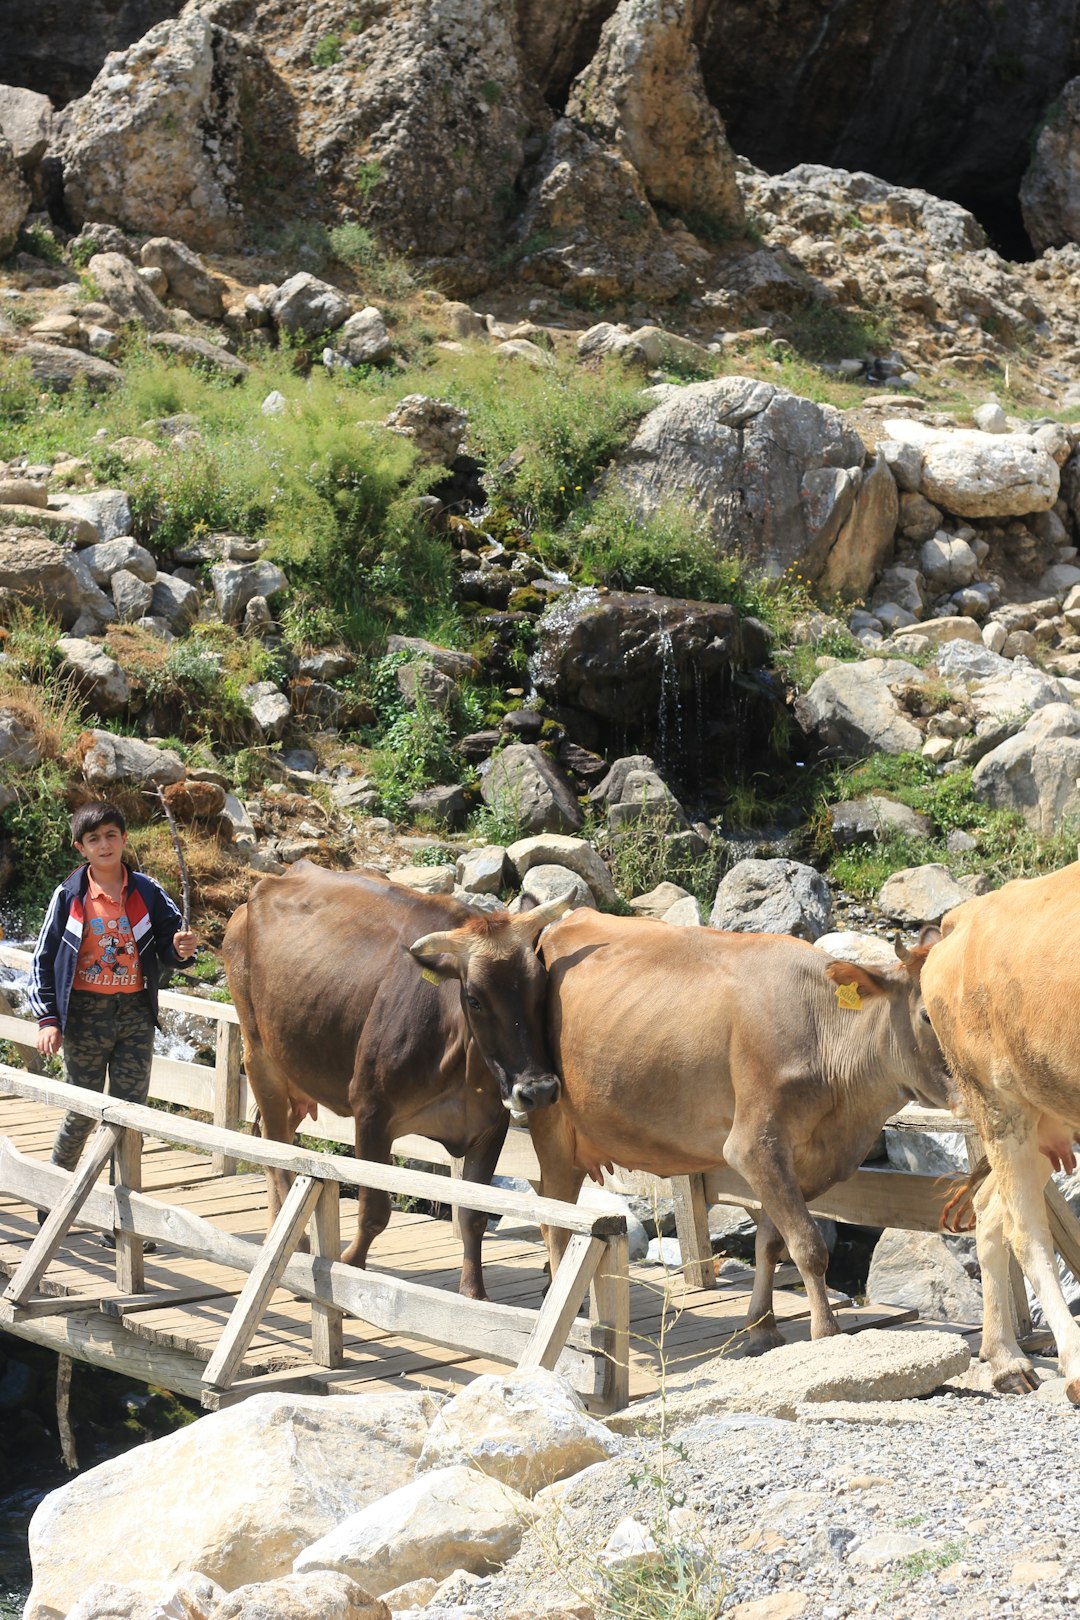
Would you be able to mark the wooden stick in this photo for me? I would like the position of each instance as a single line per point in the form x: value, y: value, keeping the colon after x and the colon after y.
x: 185, y: 879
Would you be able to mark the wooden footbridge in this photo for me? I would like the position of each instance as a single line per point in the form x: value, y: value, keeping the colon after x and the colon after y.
x: 217, y: 1311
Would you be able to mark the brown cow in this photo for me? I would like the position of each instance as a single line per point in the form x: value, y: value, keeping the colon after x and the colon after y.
x: 342, y: 1002
x: 683, y: 1049
x: 999, y: 988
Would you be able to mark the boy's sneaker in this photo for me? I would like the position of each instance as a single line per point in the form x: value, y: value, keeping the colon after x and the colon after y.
x: 107, y: 1240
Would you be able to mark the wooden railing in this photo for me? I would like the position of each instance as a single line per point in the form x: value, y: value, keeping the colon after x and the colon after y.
x: 592, y: 1353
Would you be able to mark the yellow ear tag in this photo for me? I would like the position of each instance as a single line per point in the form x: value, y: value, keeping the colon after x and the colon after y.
x: 847, y: 995
x: 426, y: 973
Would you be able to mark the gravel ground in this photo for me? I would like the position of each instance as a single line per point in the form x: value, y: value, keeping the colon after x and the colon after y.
x: 959, y: 1504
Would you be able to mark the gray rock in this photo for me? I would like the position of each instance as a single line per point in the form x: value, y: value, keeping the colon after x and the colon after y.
x: 175, y: 601
x: 773, y: 897
x: 574, y: 854
x: 853, y: 708
x: 111, y: 759
x: 104, y: 559
x: 109, y: 510
x: 99, y: 678
x: 872, y: 1366
x: 196, y: 351
x: 363, y: 339
x: 862, y: 821
x: 446, y: 806
x: 26, y: 122
x: 659, y: 901
x: 921, y: 894
x: 18, y: 745
x: 685, y: 914
x: 919, y: 1270
x: 236, y: 584
x: 14, y: 197
x: 523, y: 785
x: 35, y: 570
x: 1036, y: 771
x: 52, y: 366
x: 980, y: 474
x: 307, y: 306
x: 543, y: 883
x: 270, y: 709
x: 190, y: 283
x: 420, y: 681
x: 460, y: 666
x: 481, y: 871
x: 121, y: 287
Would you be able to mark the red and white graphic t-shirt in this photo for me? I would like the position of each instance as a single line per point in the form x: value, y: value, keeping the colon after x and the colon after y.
x: 109, y: 956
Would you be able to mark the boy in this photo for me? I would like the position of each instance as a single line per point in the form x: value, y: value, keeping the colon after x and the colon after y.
x: 94, y: 978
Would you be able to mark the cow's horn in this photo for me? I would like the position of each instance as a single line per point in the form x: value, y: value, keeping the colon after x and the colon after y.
x: 532, y: 923
x: 901, y: 950
x: 447, y: 944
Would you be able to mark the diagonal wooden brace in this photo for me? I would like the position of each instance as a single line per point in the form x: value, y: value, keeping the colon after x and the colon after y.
x: 281, y: 1241
x: 576, y: 1270
x: 59, y: 1220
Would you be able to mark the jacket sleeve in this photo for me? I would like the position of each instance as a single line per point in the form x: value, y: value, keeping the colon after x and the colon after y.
x: 42, y: 991
x: 165, y: 920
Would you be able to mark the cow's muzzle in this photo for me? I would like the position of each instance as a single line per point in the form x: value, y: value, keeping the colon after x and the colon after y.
x: 527, y: 1095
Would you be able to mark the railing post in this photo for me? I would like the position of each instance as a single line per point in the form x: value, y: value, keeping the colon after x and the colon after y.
x: 228, y: 1089
x: 129, y: 1248
x: 609, y: 1312
x: 327, y: 1321
x: 692, y: 1227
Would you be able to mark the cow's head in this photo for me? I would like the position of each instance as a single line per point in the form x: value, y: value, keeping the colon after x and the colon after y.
x: 908, y: 1044
x: 503, y: 995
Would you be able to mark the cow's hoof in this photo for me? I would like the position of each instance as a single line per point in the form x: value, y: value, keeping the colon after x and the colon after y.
x: 762, y: 1340
x: 1016, y: 1381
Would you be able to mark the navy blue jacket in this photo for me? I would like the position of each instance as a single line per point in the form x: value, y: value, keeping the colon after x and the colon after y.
x: 153, y: 924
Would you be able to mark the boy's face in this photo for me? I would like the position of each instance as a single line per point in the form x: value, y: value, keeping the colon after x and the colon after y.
x: 103, y: 847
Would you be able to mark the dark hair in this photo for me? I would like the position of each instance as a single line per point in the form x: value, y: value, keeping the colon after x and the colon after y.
x: 97, y: 813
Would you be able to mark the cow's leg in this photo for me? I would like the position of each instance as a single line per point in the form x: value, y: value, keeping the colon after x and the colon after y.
x: 479, y: 1165
x: 560, y: 1178
x: 761, y: 1331
x: 1012, y: 1147
x: 373, y: 1141
x: 1011, y: 1370
x: 766, y: 1165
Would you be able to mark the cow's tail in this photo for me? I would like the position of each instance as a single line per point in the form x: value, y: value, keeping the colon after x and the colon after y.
x: 958, y: 1214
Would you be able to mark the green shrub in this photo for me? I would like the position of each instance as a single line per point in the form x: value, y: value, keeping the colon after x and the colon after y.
x: 37, y: 827
x: 670, y: 551
x: 327, y: 51
x: 358, y: 247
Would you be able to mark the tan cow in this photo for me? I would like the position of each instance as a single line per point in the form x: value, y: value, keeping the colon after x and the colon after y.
x: 1001, y: 990
x: 683, y: 1049
x: 411, y: 1012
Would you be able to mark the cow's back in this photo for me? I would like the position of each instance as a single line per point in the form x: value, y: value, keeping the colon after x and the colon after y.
x: 1001, y: 989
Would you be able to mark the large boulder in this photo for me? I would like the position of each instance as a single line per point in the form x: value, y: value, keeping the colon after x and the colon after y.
x: 920, y: 1270
x: 556, y: 849
x: 35, y: 570
x: 643, y: 93
x: 235, y: 584
x: 854, y: 709
x: 523, y: 785
x: 588, y: 227
x: 773, y: 476
x: 26, y: 122
x: 980, y: 474
x: 637, y: 660
x: 452, y: 1518
x: 191, y: 284
x: 108, y: 760
x: 773, y: 897
x: 120, y: 286
x: 14, y: 197
x: 155, y: 144
x: 307, y: 307
x: 300, y: 1597
x: 235, y: 1495
x: 1036, y: 771
x: 55, y: 365
x: 921, y: 894
x: 1050, y: 190
x: 98, y: 677
x: 526, y: 1429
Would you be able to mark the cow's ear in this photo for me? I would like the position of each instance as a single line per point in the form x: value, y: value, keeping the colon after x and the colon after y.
x: 439, y: 956
x: 930, y: 934
x: 531, y: 924
x: 859, y: 982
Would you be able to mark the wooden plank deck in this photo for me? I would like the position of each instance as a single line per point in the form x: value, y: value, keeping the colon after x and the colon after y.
x: 168, y: 1337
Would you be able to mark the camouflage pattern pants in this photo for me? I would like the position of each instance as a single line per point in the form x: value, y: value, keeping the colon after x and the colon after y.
x: 114, y: 1033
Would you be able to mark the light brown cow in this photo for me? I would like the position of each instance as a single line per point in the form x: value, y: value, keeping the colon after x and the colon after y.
x: 411, y: 1012
x: 682, y: 1049
x: 1001, y: 991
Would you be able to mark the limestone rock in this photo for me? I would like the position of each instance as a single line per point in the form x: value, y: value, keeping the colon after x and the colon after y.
x: 191, y: 284
x: 588, y: 227
x: 523, y: 784
x: 121, y: 287
x: 307, y: 306
x: 26, y: 122
x: 436, y: 427
x: 299, y: 1597
x: 108, y: 759
x: 444, y: 805
x: 853, y: 708
x: 460, y: 666
x: 863, y: 821
x: 544, y: 883
x: 919, y: 1270
x: 235, y: 584
x: 270, y: 709
x: 189, y: 1596
x: 526, y: 1429
x: 557, y: 849
x: 54, y: 366
x: 236, y: 1494
x: 14, y: 197
x: 481, y: 870
x: 197, y: 351
x: 34, y: 569
x: 658, y: 901
x: 363, y: 339
x: 684, y: 914
x: 866, y: 539
x: 643, y: 93
x: 99, y: 678
x: 773, y: 897
x: 921, y: 894
x: 131, y: 595
x: 772, y: 475
x: 175, y: 601
x: 872, y: 1366
x: 867, y: 950
x: 1036, y: 771
x: 136, y: 151
x: 1050, y: 189
x: 453, y: 1518
x: 981, y: 474
x: 424, y: 879
x: 107, y: 556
